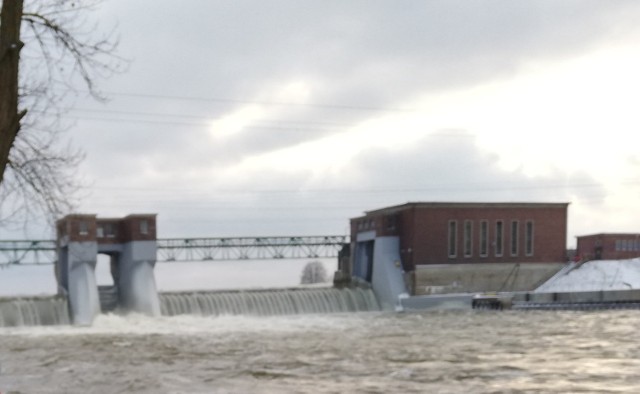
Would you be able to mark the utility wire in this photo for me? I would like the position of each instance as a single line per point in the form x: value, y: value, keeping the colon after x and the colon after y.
x: 471, y: 187
x: 259, y: 102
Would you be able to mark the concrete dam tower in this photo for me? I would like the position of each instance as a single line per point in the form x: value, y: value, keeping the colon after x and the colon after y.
x: 131, y: 244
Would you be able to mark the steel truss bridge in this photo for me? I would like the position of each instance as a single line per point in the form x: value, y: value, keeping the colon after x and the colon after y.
x: 195, y: 249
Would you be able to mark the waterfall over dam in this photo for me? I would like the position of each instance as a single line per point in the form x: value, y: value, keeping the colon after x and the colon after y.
x: 34, y: 311
x: 37, y: 311
x: 292, y: 301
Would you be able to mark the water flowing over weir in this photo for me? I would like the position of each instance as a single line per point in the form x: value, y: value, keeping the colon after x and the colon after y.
x: 44, y: 311
x: 269, y: 302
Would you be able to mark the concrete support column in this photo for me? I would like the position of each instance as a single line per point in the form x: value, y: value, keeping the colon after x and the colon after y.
x: 388, y: 278
x: 136, y: 283
x: 81, y: 284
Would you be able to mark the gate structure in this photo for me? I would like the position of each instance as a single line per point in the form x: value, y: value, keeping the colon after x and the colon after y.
x: 131, y: 244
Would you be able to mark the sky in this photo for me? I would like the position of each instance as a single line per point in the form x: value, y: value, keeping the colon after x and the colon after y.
x: 254, y: 118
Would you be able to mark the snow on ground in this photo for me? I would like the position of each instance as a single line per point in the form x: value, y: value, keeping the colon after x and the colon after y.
x: 596, y: 275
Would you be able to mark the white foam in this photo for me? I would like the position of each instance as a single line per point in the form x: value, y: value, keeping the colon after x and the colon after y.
x: 197, y: 325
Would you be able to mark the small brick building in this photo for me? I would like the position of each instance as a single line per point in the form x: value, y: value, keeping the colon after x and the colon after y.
x: 616, y: 246
x: 130, y: 242
x: 106, y: 231
x: 441, y: 233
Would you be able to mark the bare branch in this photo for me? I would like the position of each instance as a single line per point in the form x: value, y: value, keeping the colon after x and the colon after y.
x: 40, y: 177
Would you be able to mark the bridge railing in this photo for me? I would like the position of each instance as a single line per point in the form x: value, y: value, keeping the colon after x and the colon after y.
x: 196, y: 249
x: 27, y: 252
x: 249, y: 248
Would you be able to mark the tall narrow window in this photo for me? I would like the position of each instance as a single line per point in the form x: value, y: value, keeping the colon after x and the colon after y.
x: 528, y: 243
x: 514, y: 238
x: 484, y: 238
x: 109, y: 230
x: 468, y: 238
x: 144, y: 227
x: 83, y: 228
x: 499, y: 237
x: 453, y: 235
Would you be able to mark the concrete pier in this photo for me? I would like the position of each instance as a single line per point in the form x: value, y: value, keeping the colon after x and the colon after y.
x: 136, y: 285
x: 377, y: 261
x: 82, y: 288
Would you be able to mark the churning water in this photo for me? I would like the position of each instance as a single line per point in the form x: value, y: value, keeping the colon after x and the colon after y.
x: 364, y: 352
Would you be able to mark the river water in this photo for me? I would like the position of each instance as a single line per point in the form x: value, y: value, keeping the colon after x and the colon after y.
x: 366, y: 352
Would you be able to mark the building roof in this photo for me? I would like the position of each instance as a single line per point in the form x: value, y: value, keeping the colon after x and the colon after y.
x: 426, y: 205
x: 609, y: 235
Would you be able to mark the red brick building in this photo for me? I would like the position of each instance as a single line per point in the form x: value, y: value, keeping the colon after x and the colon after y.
x: 83, y: 228
x: 608, y: 246
x: 451, y: 233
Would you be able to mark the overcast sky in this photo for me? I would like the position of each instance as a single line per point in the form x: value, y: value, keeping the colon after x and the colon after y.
x: 243, y: 118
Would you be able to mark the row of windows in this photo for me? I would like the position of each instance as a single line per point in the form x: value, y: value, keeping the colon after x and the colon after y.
x: 483, y: 238
x: 370, y: 224
x: 108, y: 229
x: 366, y: 224
x: 627, y: 245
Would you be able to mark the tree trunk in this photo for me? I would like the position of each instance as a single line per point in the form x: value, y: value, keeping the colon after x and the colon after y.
x: 10, y: 45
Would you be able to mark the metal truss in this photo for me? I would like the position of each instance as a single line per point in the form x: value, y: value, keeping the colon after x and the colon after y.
x: 196, y: 249
x: 27, y: 252
x: 249, y: 248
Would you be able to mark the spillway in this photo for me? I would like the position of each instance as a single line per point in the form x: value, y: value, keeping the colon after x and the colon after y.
x: 34, y: 311
x: 269, y: 302
x: 41, y: 311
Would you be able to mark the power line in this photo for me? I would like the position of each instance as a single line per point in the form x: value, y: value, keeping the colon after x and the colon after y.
x: 204, y: 123
x: 199, y: 120
x: 258, y: 102
x: 467, y: 186
x: 197, y: 117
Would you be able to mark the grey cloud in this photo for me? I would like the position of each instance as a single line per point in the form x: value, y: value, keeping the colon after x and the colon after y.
x: 230, y: 49
x: 454, y: 168
x: 357, y: 53
x: 361, y: 53
x: 433, y: 169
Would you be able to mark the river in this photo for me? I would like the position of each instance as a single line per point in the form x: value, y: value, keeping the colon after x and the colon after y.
x: 366, y: 352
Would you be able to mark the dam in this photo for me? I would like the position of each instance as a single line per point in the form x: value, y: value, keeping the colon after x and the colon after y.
x: 372, y: 274
x: 132, y: 250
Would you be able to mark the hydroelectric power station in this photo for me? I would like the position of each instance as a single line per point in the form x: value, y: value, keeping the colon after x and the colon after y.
x: 415, y: 256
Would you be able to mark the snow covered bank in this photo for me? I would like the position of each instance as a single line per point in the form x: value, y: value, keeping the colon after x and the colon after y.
x: 595, y: 275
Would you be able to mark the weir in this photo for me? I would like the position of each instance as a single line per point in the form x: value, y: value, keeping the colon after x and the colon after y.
x: 33, y: 311
x: 273, y: 302
x: 40, y: 311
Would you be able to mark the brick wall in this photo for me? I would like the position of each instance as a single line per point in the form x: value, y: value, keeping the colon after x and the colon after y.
x: 423, y: 229
x: 608, y: 246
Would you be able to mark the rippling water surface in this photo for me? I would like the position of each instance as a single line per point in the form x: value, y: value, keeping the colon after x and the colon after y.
x: 452, y: 352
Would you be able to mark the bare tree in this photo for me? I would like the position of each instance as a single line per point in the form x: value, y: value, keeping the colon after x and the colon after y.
x: 313, y: 272
x: 48, y: 52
